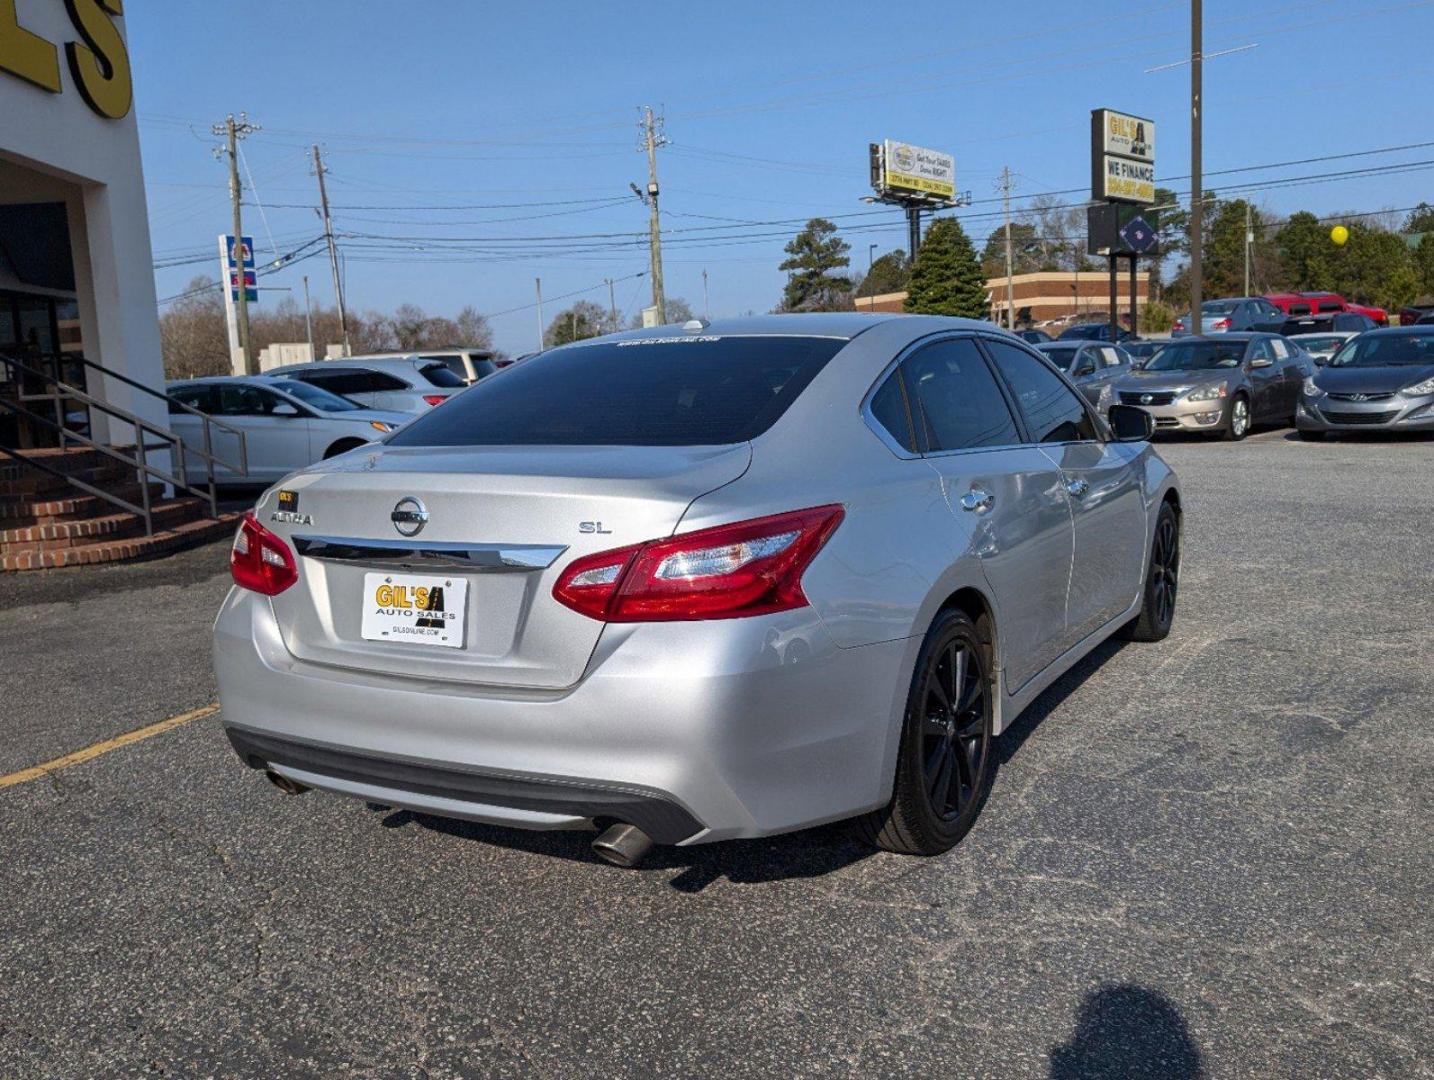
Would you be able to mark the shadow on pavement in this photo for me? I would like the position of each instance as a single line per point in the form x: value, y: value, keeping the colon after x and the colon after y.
x: 807, y: 854
x: 1128, y: 1031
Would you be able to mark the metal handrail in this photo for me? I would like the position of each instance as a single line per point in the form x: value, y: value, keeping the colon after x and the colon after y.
x: 139, y: 461
x: 171, y: 402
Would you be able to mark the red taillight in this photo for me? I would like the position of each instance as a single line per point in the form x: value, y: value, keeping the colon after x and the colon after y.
x: 1220, y: 324
x: 1179, y: 324
x: 727, y: 572
x: 260, y: 560
x: 435, y: 399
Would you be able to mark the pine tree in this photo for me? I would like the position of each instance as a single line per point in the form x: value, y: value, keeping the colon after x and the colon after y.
x: 946, y: 277
x: 814, y: 254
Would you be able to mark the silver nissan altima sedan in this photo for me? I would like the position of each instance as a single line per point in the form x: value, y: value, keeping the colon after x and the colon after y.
x: 692, y: 583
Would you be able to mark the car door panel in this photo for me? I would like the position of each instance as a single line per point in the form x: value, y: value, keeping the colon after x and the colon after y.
x: 1103, y: 480
x: 1007, y: 497
x: 276, y: 444
x: 1266, y: 382
x: 1023, y: 537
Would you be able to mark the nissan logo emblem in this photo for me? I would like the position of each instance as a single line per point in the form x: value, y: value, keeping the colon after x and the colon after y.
x: 409, y: 516
x: 1146, y: 399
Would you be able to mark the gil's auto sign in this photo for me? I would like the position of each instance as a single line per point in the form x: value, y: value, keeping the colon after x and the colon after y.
x: 1122, y: 157
x: 903, y: 169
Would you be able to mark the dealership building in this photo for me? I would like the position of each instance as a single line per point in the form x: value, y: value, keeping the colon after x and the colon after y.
x: 76, y: 280
x: 1046, y: 297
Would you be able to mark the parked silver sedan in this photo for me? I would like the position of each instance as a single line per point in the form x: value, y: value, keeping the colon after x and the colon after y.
x: 286, y: 424
x: 690, y: 584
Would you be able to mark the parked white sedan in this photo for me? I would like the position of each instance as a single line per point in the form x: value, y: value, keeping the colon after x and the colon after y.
x: 287, y: 424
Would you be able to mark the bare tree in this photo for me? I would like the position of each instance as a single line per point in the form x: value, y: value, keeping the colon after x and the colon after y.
x: 192, y: 335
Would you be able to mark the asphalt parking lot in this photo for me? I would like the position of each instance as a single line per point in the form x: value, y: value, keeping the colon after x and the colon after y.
x: 1208, y: 857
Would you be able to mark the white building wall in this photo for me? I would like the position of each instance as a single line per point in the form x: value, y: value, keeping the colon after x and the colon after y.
x: 60, y: 136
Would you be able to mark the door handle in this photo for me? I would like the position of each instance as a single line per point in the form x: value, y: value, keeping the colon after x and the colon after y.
x: 1077, y: 487
x: 977, y: 501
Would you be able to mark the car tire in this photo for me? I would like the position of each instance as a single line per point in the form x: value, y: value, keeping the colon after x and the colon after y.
x: 1238, y: 426
x: 343, y: 446
x: 942, y: 747
x: 1311, y: 436
x: 1162, y: 578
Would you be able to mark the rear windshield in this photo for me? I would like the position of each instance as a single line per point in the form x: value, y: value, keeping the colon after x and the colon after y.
x: 439, y: 374
x: 1219, y: 307
x: 1060, y: 357
x: 684, y: 391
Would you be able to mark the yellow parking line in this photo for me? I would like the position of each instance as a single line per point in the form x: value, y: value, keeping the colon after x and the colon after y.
x: 139, y: 734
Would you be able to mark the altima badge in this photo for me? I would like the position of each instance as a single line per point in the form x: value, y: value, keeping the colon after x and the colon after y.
x: 409, y: 516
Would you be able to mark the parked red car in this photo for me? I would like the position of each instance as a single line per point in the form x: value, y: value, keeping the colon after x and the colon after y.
x: 1323, y: 303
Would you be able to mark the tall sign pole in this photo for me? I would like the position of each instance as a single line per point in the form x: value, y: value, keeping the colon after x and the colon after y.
x: 232, y: 131
x: 1197, y: 196
x: 1121, y: 219
x: 333, y: 254
x: 652, y: 138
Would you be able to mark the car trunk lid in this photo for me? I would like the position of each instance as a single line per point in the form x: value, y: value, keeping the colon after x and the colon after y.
x: 538, y: 507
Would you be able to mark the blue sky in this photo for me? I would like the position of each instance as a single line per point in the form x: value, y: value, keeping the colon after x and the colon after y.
x: 525, y: 115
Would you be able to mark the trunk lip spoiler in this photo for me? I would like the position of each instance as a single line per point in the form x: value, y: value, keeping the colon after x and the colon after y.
x: 474, y: 557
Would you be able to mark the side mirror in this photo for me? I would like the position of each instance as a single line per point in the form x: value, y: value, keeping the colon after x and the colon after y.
x: 1131, y: 424
x: 284, y: 409
x: 1261, y: 361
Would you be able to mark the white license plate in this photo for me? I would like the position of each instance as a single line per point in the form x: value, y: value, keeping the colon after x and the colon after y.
x: 415, y: 609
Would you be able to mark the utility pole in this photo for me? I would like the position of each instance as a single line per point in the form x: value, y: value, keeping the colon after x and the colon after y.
x: 706, y: 304
x: 652, y: 138
x: 1010, y: 260
x: 612, y: 305
x: 309, y: 318
x: 1249, y: 239
x: 233, y: 130
x: 333, y: 253
x: 541, y: 329
x: 1197, y: 197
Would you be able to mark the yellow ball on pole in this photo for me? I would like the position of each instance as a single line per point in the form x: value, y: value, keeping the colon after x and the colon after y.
x: 1339, y: 235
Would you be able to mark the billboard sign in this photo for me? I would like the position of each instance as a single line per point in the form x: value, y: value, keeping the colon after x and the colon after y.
x: 905, y: 170
x: 1122, y: 157
x: 1123, y: 135
x: 1119, y: 179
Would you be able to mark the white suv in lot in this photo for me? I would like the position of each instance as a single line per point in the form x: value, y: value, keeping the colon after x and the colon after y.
x: 410, y: 383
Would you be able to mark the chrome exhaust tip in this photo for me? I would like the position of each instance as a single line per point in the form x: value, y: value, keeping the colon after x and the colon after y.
x: 284, y: 784
x: 622, y: 845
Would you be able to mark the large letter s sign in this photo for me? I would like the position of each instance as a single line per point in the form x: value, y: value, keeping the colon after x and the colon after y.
x: 101, y: 65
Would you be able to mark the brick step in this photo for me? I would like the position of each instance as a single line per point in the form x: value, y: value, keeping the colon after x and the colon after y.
x: 112, y: 526
x: 36, y: 483
x: 53, y: 508
x: 66, y: 460
x: 189, y: 534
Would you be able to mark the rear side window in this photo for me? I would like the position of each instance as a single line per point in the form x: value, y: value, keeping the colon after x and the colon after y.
x: 1054, y: 413
x: 350, y: 380
x: 955, y: 400
x: 1299, y: 309
x: 670, y: 391
x: 888, y: 407
x: 1330, y: 305
x: 439, y: 374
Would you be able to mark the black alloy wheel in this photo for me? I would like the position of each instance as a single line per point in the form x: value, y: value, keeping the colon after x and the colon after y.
x: 955, y: 738
x: 945, y: 760
x: 1162, y: 581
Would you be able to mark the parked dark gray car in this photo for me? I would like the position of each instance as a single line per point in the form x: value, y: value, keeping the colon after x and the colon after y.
x: 1093, y: 366
x: 1379, y: 381
x: 1221, y: 385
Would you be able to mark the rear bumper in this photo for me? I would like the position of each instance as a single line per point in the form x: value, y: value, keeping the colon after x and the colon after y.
x: 1391, y: 414
x: 691, y: 731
